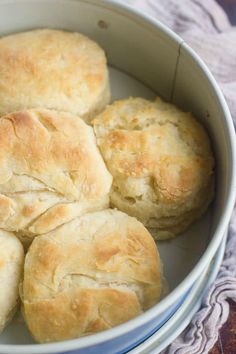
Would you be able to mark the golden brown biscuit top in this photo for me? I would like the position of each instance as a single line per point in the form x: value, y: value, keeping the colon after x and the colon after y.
x: 88, y: 275
x: 156, y: 142
x: 50, y: 170
x: 56, y: 149
x: 97, y: 250
x: 51, y: 69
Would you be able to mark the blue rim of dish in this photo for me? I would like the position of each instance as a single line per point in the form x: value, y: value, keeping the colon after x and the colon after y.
x: 161, y: 324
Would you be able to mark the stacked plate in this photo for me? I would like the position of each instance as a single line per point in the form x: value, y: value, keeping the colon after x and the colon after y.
x: 145, y: 59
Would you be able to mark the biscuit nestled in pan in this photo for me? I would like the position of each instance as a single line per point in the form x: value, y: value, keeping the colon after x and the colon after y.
x: 11, y: 269
x: 50, y: 171
x: 88, y: 275
x: 161, y: 162
x: 53, y: 69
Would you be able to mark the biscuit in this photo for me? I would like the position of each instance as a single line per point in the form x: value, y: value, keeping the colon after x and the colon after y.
x: 89, y: 275
x: 161, y: 162
x: 52, y: 69
x: 11, y: 269
x: 50, y: 171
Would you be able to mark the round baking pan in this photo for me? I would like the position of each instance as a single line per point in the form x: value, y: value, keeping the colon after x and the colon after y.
x: 146, y: 59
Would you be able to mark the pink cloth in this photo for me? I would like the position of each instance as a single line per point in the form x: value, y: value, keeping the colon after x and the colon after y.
x: 206, y: 28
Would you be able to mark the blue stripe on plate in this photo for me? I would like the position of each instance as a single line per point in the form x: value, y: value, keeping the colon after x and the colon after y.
x: 169, y: 315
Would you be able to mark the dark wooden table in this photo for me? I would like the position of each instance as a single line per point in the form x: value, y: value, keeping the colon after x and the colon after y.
x: 230, y: 8
x: 226, y: 343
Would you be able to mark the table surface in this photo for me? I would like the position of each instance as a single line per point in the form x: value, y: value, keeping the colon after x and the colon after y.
x: 230, y: 8
x: 226, y: 343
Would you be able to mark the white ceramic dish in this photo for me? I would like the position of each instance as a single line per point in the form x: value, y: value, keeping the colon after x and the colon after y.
x: 181, y: 318
x: 155, y: 56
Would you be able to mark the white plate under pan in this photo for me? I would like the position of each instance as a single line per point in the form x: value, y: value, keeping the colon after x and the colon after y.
x: 181, y: 318
x: 153, y: 55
